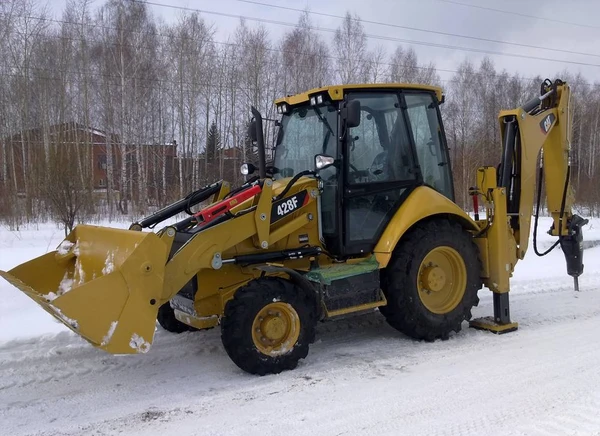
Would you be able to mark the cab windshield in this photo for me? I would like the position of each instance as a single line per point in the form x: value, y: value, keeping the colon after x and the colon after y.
x: 305, y: 132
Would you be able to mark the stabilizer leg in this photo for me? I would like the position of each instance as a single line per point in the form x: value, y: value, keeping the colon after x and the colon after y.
x: 500, y: 323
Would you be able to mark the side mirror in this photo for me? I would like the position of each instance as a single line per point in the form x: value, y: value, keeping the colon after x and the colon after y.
x: 323, y: 161
x: 252, y: 131
x: 352, y: 113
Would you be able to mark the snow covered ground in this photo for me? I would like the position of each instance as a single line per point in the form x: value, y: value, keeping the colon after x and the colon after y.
x: 361, y: 376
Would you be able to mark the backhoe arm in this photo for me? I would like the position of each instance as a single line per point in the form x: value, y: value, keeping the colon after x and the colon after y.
x: 537, y: 132
x: 542, y: 127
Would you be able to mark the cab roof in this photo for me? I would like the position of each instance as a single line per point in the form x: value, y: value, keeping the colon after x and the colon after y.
x: 336, y: 92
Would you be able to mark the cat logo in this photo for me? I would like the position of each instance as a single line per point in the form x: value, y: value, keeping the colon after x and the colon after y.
x: 547, y: 123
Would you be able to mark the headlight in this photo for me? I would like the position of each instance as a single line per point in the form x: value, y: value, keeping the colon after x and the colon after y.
x: 247, y: 168
x: 317, y: 99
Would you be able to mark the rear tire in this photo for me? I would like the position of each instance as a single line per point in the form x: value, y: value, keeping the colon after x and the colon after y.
x: 432, y: 280
x: 268, y: 325
x: 166, y: 319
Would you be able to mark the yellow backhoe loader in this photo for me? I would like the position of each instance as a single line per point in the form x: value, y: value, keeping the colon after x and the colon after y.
x: 355, y: 212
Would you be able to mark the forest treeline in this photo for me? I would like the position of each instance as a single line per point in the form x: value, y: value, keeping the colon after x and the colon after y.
x: 145, y: 85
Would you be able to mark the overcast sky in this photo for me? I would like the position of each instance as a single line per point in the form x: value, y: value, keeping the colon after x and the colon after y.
x: 438, y: 15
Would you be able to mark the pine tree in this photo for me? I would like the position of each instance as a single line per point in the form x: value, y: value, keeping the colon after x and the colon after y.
x: 213, y: 143
x: 248, y: 153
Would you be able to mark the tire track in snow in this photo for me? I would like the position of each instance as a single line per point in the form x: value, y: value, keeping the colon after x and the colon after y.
x: 513, y: 406
x: 362, y: 350
x: 503, y: 397
x: 17, y: 359
x: 25, y: 361
x: 577, y: 413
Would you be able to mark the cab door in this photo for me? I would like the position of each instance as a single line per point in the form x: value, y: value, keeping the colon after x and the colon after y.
x: 380, y: 168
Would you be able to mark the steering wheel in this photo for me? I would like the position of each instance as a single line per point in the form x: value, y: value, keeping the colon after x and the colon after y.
x: 355, y: 174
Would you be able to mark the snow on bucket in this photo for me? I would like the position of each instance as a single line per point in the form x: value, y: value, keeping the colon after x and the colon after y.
x: 105, y: 284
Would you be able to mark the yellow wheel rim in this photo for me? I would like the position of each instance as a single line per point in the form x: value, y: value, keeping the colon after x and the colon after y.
x: 276, y: 328
x: 442, y: 280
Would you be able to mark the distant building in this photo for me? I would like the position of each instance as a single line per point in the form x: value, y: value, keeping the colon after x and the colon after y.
x: 24, y: 157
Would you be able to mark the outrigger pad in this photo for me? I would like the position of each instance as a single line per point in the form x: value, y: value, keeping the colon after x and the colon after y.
x: 488, y: 323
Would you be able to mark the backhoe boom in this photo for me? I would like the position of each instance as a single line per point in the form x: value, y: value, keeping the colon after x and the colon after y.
x: 543, y: 130
x: 538, y: 131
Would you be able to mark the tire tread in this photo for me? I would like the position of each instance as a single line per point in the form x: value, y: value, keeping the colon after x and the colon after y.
x: 404, y: 311
x: 240, y: 311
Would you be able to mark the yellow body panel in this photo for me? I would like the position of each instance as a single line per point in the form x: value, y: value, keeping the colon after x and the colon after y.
x: 423, y: 202
x: 336, y: 92
x: 502, y: 255
x: 217, y: 286
x: 262, y: 217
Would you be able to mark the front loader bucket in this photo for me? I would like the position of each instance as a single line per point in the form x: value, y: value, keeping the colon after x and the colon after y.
x: 104, y: 284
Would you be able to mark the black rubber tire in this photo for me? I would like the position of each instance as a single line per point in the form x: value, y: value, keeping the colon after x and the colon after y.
x: 166, y: 319
x: 240, y: 312
x: 405, y: 310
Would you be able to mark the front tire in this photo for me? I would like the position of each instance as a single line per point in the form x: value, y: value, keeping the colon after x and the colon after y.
x: 268, y: 326
x: 432, y: 280
x: 167, y: 320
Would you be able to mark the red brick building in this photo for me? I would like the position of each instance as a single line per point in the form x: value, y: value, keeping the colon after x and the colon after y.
x: 26, y: 157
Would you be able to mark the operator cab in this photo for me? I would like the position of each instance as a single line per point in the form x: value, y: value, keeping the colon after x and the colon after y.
x: 373, y: 147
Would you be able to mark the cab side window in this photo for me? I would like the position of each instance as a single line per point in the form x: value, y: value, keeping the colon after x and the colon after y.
x: 426, y: 132
x: 379, y: 148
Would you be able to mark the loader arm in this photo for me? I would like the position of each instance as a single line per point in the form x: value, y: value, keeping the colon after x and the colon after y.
x: 205, y: 249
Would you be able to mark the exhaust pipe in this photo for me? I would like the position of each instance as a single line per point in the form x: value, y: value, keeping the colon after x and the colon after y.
x: 260, y: 143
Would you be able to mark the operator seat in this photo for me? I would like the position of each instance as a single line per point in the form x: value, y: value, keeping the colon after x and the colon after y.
x: 398, y: 167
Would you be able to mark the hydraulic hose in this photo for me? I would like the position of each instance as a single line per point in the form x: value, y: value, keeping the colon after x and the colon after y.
x: 537, y: 210
x: 182, y: 205
x: 294, y: 180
